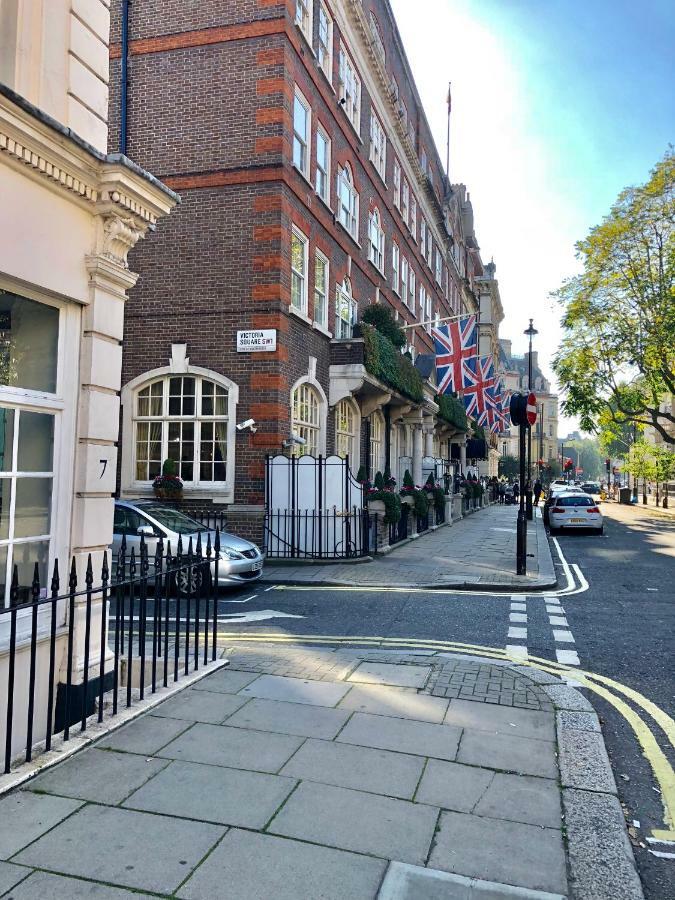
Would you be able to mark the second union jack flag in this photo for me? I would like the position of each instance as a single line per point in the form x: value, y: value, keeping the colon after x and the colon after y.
x: 479, y: 380
x: 456, y: 344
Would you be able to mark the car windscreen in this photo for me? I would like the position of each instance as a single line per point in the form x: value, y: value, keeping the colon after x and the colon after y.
x: 590, y: 486
x: 574, y: 501
x: 174, y: 519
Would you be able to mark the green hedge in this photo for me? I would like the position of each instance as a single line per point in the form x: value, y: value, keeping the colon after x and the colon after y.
x: 392, y: 505
x: 385, y: 362
x: 452, y: 410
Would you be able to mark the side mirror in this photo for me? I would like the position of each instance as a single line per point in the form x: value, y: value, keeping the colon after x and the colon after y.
x: 145, y: 531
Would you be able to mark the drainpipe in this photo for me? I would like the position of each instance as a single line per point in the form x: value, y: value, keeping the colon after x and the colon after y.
x: 124, y: 76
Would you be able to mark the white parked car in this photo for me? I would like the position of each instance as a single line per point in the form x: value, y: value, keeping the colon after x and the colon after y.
x: 575, y: 510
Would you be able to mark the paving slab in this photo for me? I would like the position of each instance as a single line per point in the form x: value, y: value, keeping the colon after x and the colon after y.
x: 493, y: 850
x: 385, y: 673
x: 25, y: 816
x: 584, y: 762
x: 406, y: 882
x: 501, y: 751
x: 102, y: 776
x: 522, y: 798
x: 401, y: 735
x: 352, y: 820
x: 290, y: 718
x: 257, y: 866
x: 238, y: 748
x: 59, y: 887
x: 129, y: 849
x: 601, y: 860
x: 226, y: 681
x: 452, y: 785
x: 296, y: 690
x: 361, y: 768
x: 213, y: 794
x: 402, y: 703
x: 146, y: 735
x: 200, y: 706
x: 11, y: 875
x: 527, y: 723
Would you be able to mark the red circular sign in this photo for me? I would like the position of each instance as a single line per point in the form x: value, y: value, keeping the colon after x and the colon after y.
x: 531, y: 408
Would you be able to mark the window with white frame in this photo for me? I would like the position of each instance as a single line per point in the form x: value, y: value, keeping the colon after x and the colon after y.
x: 412, y: 290
x: 348, y: 202
x: 303, y: 17
x: 423, y: 298
x: 306, y: 419
x: 377, y: 463
x: 430, y: 247
x: 376, y: 36
x: 397, y: 184
x: 439, y: 266
x: 322, y: 181
x: 376, y: 240
x: 301, y: 125
x: 183, y: 418
x: 325, y: 46
x: 346, y: 424
x: 405, y: 201
x: 29, y: 424
x: 345, y: 310
x: 299, y: 255
x: 423, y: 236
x: 321, y: 268
x: 413, y: 216
x: 378, y: 146
x: 349, y: 89
x: 445, y: 281
x: 404, y: 279
x: 427, y: 312
x: 395, y: 267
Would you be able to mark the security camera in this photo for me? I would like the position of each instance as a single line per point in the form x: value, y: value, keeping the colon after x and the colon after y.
x: 249, y: 423
x: 294, y: 439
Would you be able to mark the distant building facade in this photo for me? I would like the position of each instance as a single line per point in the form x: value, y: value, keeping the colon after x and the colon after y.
x: 545, y: 431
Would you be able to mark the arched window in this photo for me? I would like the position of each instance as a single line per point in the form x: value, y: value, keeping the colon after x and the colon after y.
x: 183, y: 418
x: 306, y: 419
x: 346, y: 431
x: 377, y: 462
x: 345, y: 310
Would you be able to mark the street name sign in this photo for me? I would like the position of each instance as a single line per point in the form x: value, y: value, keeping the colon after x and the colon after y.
x: 262, y: 341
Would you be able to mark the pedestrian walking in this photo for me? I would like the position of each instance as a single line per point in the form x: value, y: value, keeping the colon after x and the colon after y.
x: 537, y: 492
x: 502, y: 492
x: 516, y: 491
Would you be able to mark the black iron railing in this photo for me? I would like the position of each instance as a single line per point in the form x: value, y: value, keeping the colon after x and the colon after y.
x: 161, y: 611
x: 440, y: 514
x: 398, y: 531
x: 422, y: 522
x: 314, y: 534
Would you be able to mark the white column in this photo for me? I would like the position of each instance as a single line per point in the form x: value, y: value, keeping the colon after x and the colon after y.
x: 429, y: 442
x: 462, y: 456
x: 417, y: 454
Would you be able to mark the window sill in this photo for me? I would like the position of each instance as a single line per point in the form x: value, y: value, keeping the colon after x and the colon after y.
x: 326, y: 203
x: 354, y: 128
x: 306, y: 39
x: 221, y: 492
x: 299, y: 314
x: 347, y: 231
x: 325, y: 74
x: 303, y: 176
x: 322, y: 330
x: 377, y: 268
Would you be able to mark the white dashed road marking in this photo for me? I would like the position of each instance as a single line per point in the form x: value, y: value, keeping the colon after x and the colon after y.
x: 517, y: 632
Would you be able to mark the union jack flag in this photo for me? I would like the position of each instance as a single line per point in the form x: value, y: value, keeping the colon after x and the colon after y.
x: 495, y: 410
x: 456, y: 343
x: 479, y: 380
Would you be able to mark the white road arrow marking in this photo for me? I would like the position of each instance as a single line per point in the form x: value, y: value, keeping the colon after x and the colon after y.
x: 259, y: 616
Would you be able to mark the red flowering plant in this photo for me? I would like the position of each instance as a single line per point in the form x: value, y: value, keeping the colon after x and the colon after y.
x: 168, y: 485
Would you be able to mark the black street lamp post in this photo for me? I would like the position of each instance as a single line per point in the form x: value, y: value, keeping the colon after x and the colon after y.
x: 530, y: 331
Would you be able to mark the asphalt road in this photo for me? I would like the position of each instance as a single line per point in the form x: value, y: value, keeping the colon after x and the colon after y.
x: 623, y: 627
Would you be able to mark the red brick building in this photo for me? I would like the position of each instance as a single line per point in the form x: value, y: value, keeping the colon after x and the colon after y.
x: 311, y: 188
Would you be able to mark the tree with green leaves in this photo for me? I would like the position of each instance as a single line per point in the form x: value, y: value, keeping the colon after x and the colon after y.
x: 616, y: 361
x: 640, y: 464
x: 664, y: 469
x: 508, y: 466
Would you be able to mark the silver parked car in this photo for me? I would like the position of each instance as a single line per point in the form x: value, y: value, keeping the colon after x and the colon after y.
x: 239, y: 561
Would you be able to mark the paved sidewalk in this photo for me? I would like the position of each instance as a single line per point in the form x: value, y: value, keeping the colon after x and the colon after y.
x: 313, y: 773
x: 477, y: 551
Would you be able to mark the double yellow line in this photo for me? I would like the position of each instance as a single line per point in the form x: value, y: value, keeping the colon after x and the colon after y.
x: 604, y: 687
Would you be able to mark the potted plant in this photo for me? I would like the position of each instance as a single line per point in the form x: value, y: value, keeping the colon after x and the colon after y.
x: 407, y: 491
x: 168, y: 486
x: 382, y: 499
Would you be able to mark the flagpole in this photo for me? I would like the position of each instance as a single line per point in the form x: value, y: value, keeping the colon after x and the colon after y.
x: 436, y: 321
x: 447, y: 157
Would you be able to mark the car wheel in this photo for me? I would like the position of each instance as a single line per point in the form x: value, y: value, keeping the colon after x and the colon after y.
x: 189, y: 581
x: 600, y: 530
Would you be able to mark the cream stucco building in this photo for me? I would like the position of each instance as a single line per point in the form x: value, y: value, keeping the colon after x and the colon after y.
x: 69, y: 214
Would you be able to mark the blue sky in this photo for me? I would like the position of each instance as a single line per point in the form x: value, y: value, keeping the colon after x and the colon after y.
x: 556, y: 106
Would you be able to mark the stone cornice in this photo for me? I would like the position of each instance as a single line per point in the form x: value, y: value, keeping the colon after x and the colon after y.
x: 108, y: 186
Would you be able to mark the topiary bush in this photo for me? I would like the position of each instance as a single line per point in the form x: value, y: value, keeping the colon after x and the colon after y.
x: 384, y: 361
